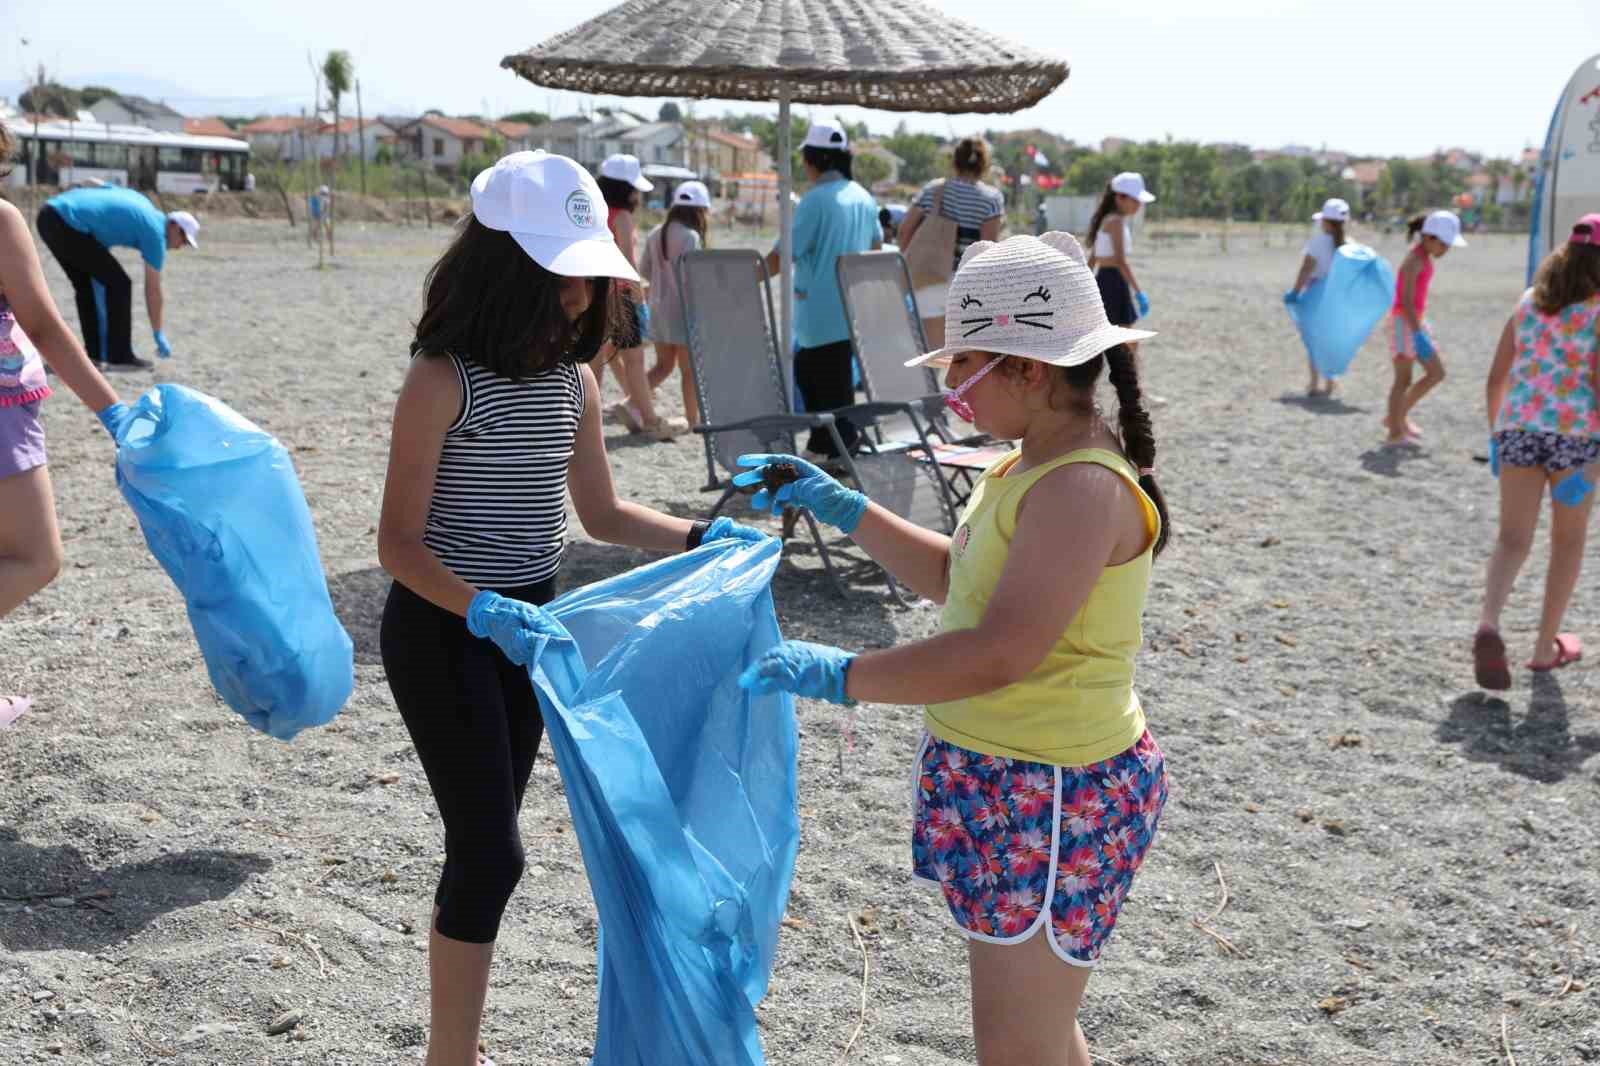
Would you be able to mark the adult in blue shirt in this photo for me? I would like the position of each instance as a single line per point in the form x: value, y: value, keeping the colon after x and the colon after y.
x: 80, y: 227
x: 836, y: 217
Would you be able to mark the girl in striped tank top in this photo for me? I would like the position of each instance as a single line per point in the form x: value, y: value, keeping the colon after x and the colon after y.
x: 498, y: 420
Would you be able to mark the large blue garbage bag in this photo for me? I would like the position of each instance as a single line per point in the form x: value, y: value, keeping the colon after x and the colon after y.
x: 222, y: 511
x: 1336, y: 314
x: 683, y: 796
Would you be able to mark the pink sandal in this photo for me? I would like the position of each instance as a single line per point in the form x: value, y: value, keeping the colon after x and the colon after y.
x: 1569, y: 649
x: 12, y: 708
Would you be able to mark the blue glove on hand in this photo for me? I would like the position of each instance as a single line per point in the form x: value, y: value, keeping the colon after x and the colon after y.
x: 163, y: 348
x: 1494, y: 457
x: 1291, y: 297
x: 1572, y: 491
x: 1424, y: 345
x: 725, y: 528
x: 114, y: 416
x: 826, y: 499
x: 1144, y: 303
x: 812, y: 670
x: 520, y: 630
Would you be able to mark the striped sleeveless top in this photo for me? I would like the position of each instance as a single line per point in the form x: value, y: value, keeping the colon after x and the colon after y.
x: 498, y: 518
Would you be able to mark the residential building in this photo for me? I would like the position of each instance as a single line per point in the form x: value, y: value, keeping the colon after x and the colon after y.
x: 1111, y: 145
x: 717, y: 152
x: 602, y: 137
x: 136, y: 111
x: 444, y: 142
x: 514, y: 135
x: 656, y: 142
x: 285, y: 137
x: 560, y: 136
x: 353, y: 136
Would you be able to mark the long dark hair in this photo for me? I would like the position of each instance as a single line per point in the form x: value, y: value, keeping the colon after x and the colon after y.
x: 695, y: 218
x: 826, y: 159
x: 1336, y: 229
x: 489, y: 303
x: 1568, y: 275
x: 1414, y: 225
x: 1107, y: 206
x: 1133, y: 420
x: 618, y: 194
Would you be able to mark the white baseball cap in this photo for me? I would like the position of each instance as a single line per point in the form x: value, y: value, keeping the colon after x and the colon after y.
x: 1032, y: 297
x: 1333, y: 210
x: 625, y: 168
x: 1129, y: 183
x: 826, y: 135
x: 552, y: 207
x: 692, y: 194
x: 1446, y: 227
x: 189, y: 224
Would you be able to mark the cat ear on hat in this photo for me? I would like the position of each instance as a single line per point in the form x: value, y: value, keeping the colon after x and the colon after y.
x: 975, y: 249
x: 1066, y: 244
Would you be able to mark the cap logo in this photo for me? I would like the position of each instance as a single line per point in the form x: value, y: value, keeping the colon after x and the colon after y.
x: 580, y: 209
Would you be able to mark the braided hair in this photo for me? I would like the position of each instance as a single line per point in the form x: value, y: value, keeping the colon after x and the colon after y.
x: 1138, y: 439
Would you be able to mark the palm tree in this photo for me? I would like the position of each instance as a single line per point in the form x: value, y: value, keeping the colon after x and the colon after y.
x: 337, y: 72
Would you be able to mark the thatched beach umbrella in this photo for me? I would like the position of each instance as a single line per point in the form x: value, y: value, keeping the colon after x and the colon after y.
x: 893, y: 55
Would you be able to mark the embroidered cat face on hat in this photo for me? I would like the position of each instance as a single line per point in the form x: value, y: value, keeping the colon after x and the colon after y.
x: 1032, y: 297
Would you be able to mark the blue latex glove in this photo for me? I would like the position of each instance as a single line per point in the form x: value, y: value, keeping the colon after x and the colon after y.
x: 816, y: 671
x: 1291, y: 297
x: 725, y: 528
x: 826, y: 499
x: 1424, y: 345
x: 1571, y: 492
x: 1494, y: 457
x: 1144, y: 303
x: 114, y: 416
x: 520, y: 630
x: 163, y: 348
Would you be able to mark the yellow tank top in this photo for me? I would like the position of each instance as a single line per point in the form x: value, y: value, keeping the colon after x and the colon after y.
x: 1078, y: 706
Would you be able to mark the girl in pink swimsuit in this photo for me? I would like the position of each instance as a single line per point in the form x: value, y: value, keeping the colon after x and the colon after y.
x: 1413, y: 339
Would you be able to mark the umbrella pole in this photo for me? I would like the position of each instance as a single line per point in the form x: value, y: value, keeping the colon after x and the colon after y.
x: 785, y: 228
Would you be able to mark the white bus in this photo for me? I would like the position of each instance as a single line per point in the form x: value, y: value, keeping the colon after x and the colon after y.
x: 77, y: 153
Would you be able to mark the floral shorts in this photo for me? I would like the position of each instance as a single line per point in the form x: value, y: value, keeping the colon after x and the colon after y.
x: 1003, y: 838
x: 1553, y: 451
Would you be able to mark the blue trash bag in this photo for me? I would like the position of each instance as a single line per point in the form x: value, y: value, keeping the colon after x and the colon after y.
x: 1336, y: 314
x: 683, y: 797
x: 222, y: 511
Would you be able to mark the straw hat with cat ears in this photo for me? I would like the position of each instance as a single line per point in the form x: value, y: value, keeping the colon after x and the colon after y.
x: 1032, y: 297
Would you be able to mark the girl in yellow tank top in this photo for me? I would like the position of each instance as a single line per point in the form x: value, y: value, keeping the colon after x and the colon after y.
x: 1038, y: 787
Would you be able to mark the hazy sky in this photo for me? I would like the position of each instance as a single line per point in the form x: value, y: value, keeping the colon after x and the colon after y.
x: 1368, y: 76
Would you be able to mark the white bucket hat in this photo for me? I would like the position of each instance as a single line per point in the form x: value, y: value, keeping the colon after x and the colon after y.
x: 552, y: 207
x: 189, y: 224
x: 1031, y: 297
x: 1333, y: 210
x: 692, y: 194
x: 626, y: 168
x: 1445, y: 226
x: 1130, y: 183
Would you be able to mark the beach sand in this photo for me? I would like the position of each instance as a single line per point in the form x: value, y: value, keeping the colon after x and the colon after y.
x: 1410, y: 865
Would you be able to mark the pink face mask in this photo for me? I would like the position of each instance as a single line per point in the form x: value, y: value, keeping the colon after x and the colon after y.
x: 956, y: 402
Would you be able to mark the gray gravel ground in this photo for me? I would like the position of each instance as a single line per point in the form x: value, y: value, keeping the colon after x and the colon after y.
x: 1406, y: 894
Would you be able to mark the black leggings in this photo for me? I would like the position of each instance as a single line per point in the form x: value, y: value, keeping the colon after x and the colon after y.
x: 86, y: 261
x: 474, y: 719
x: 824, y: 377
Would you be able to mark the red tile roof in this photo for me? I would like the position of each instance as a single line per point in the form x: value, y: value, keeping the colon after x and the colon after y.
x: 513, y: 130
x: 207, y: 127
x: 277, y: 124
x: 734, y: 140
x: 461, y: 129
